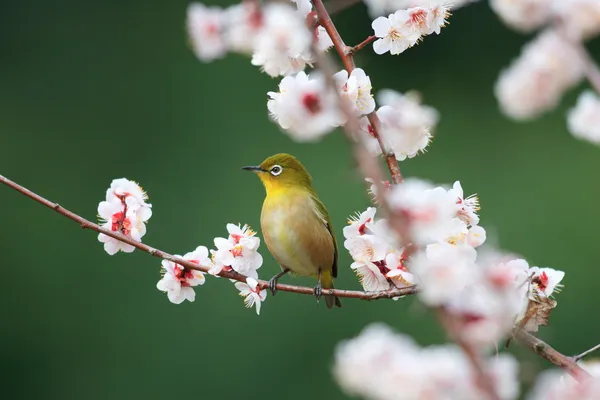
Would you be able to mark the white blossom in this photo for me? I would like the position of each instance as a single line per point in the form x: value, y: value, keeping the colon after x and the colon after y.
x: 546, y: 280
x: 382, y: 365
x: 580, y: 18
x: 583, y: 120
x: 443, y: 271
x: 523, y: 15
x: 283, y: 44
x: 557, y: 385
x: 324, y: 42
x: 406, y: 125
x: 178, y: 281
x: 205, y: 26
x: 244, y: 22
x: 305, y: 107
x: 357, y: 89
x: 239, y: 252
x: 253, y: 295
x: 476, y: 236
x: 124, y: 211
x: 378, y: 8
x: 394, y: 35
x: 535, y: 82
x: 466, y: 207
x: 429, y: 210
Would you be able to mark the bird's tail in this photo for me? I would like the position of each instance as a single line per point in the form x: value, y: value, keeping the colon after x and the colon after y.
x: 327, y: 283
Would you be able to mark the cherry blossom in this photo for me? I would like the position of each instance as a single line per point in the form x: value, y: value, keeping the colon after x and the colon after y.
x: 443, y: 271
x: 382, y: 365
x: 205, y: 27
x: 238, y: 252
x: 404, y: 28
x: 523, y: 15
x: 535, y: 82
x: 406, y: 125
x: 558, y: 385
x: 357, y: 89
x: 124, y: 211
x: 429, y: 210
x: 378, y: 8
x: 253, y: 295
x: 583, y: 120
x: 394, y: 35
x: 580, y: 18
x: 178, y: 281
x: 466, y: 207
x: 546, y: 280
x: 244, y: 22
x: 305, y: 107
x: 283, y: 44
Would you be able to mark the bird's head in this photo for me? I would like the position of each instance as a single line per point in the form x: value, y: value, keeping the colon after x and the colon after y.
x: 281, y: 171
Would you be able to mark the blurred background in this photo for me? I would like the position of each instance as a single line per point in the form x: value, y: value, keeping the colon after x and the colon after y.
x: 92, y: 91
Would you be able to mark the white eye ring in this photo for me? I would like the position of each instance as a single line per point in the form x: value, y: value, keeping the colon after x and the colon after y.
x: 276, y: 170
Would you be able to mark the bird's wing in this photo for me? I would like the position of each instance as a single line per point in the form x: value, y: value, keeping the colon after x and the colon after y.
x: 323, y: 215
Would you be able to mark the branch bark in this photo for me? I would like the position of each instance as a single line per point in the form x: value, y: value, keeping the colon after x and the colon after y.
x: 84, y: 223
x: 545, y: 351
x: 348, y: 61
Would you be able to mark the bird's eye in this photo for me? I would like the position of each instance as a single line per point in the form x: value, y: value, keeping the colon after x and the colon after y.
x: 276, y: 170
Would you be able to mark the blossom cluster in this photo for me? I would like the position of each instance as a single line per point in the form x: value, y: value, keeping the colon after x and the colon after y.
x: 238, y: 252
x: 276, y: 35
x: 579, y: 18
x: 486, y: 293
x: 124, y: 211
x: 379, y: 8
x: 380, y: 364
x: 552, y: 63
x: 555, y: 384
x: 535, y: 82
x: 406, y: 124
x: 404, y: 28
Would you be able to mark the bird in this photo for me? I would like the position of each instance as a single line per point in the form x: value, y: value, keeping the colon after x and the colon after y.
x: 296, y: 225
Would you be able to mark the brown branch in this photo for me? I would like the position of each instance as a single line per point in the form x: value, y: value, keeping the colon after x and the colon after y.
x: 352, y: 51
x: 545, y: 351
x: 585, y: 353
x: 348, y: 61
x: 84, y: 223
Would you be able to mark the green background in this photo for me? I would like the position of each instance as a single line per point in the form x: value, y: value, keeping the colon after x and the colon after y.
x: 96, y: 90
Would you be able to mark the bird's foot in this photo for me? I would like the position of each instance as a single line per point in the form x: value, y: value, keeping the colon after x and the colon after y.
x: 318, y: 291
x: 273, y: 284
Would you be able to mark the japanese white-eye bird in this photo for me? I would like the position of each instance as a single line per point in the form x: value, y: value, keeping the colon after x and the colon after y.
x: 295, y: 224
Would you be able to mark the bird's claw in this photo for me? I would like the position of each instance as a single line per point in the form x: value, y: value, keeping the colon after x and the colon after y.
x: 318, y: 291
x: 273, y: 285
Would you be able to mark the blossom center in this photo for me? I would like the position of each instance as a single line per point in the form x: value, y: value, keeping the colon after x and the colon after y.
x: 312, y: 103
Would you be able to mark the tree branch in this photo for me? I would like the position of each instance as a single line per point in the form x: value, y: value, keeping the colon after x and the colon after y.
x: 84, y: 223
x: 352, y: 51
x: 585, y: 353
x: 540, y: 347
x: 348, y: 61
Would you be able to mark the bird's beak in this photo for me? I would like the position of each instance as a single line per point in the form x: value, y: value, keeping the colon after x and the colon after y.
x: 255, y: 168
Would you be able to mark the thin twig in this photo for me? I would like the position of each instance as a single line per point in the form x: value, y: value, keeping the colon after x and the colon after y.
x: 352, y: 51
x: 587, y: 352
x: 84, y: 223
x: 549, y: 354
x: 348, y: 61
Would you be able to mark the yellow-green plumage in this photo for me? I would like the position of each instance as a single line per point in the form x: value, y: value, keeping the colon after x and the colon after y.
x: 295, y: 223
